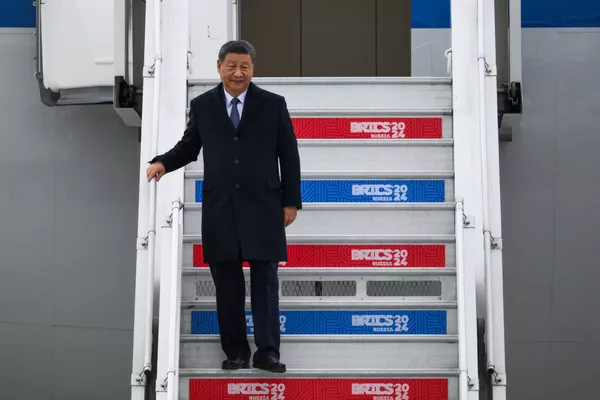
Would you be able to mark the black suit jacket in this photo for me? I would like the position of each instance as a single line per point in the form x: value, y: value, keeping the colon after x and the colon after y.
x: 243, y: 196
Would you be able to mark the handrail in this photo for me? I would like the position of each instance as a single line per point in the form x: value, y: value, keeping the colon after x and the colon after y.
x: 461, y: 303
x: 174, y: 301
x: 156, y: 71
x: 487, y: 236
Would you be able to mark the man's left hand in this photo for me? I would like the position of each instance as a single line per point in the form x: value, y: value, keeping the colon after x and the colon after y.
x: 289, y: 215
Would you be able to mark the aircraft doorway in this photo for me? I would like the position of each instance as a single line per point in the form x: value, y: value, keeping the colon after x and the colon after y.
x: 320, y: 38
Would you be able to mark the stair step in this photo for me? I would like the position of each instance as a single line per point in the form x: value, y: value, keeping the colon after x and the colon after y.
x: 289, y: 304
x: 355, y: 219
x: 336, y: 354
x: 359, y: 207
x: 375, y: 322
x: 199, y: 174
x: 343, y: 239
x: 357, y: 287
x: 323, y: 373
x: 361, y: 190
x: 392, y: 156
x: 319, y: 384
x: 391, y: 96
x: 338, y: 272
x: 188, y: 338
x: 399, y: 128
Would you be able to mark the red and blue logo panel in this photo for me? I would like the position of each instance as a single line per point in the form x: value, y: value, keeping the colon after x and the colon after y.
x: 339, y: 322
x: 368, y: 128
x: 354, y: 256
x: 373, y: 191
x: 367, y: 191
x: 318, y: 389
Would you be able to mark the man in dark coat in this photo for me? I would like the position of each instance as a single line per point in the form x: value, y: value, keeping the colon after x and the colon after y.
x: 246, y: 133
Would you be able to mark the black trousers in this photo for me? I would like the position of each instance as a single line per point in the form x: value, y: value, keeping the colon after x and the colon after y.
x: 231, y: 296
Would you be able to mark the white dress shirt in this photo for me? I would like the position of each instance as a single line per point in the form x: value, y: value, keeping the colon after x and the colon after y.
x: 240, y: 105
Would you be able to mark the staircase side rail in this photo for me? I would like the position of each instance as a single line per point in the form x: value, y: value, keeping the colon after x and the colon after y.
x: 465, y: 382
x: 171, y: 304
x: 146, y: 246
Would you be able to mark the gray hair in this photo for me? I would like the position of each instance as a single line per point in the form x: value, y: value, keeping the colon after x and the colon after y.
x: 237, y: 47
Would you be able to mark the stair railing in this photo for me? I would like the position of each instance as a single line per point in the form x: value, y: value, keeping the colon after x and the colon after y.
x: 464, y: 379
x: 171, y: 381
x: 484, y: 70
x: 156, y: 71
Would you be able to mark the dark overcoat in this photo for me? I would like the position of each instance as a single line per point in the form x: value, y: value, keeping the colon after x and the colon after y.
x: 243, y: 195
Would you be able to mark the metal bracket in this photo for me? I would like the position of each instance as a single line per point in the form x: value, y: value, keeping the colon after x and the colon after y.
x: 473, y: 384
x: 448, y: 55
x: 148, y: 71
x: 497, y: 243
x: 490, y: 70
x: 142, y: 243
x: 498, y: 379
x: 169, y: 220
x: 190, y: 56
x: 163, y: 386
x: 138, y: 379
x: 468, y: 221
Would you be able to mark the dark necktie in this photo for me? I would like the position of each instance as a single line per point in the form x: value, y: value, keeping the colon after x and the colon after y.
x: 235, y: 114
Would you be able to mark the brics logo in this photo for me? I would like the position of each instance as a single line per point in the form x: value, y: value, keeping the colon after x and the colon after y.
x: 382, y: 257
x: 383, y: 391
x: 382, y: 192
x: 382, y: 323
x: 380, y: 130
x: 258, y: 391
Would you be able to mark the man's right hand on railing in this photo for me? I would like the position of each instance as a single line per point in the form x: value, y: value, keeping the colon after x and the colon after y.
x: 155, y: 170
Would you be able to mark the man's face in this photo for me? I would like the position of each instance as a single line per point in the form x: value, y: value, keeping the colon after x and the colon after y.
x: 236, y: 72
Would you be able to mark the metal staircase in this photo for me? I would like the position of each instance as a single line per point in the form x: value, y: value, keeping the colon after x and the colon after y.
x: 390, y: 259
x: 369, y: 294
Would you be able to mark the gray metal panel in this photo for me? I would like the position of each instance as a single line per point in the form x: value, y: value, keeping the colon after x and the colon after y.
x: 86, y: 350
x: 334, y: 354
x: 428, y: 47
x: 68, y: 202
x: 523, y: 360
x: 549, y: 183
x: 577, y: 187
x: 350, y: 219
x: 88, y: 202
x: 26, y: 347
x: 529, y: 197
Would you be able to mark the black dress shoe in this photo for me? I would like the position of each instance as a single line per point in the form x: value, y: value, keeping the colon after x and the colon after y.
x: 235, y: 363
x: 271, y: 364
